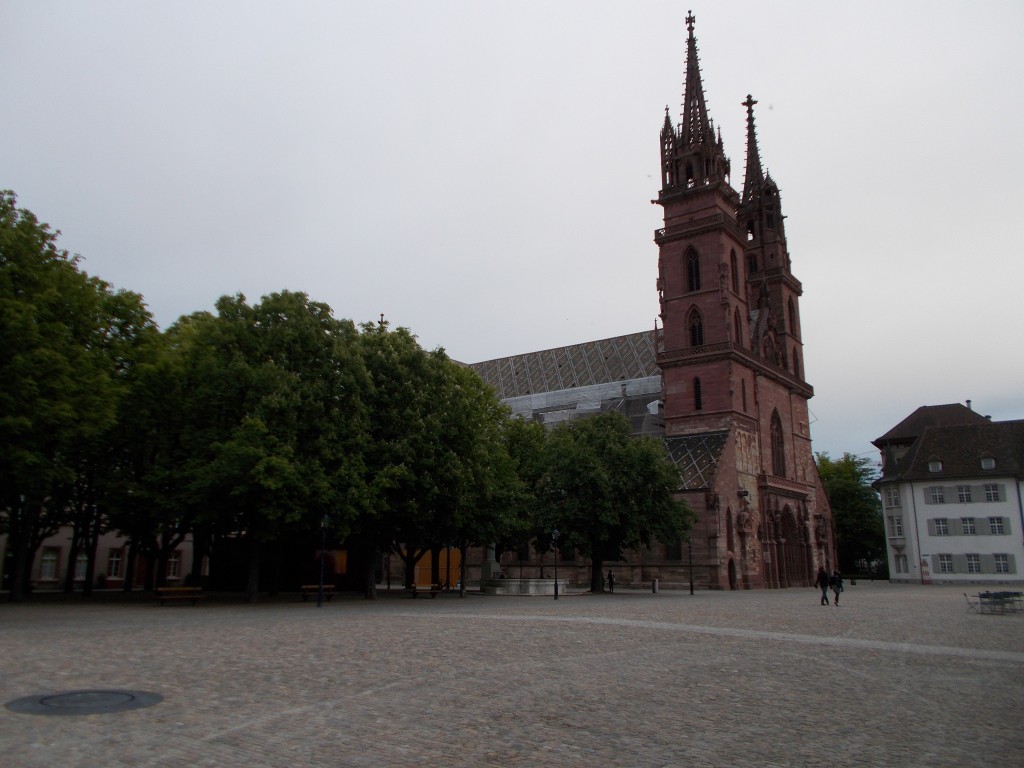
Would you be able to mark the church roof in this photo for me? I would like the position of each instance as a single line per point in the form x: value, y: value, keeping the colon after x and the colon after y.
x: 621, y: 358
x: 696, y: 457
x: 914, y: 425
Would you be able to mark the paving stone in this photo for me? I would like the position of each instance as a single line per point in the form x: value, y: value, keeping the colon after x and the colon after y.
x: 898, y: 675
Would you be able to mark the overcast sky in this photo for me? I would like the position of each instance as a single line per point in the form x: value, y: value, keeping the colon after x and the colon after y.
x: 481, y: 172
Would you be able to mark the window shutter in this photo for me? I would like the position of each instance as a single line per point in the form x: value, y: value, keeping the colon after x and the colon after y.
x: 959, y: 563
x: 931, y: 528
x: 988, y: 563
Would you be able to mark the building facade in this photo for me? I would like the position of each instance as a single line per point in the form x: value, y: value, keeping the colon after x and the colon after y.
x: 721, y: 379
x: 952, y: 486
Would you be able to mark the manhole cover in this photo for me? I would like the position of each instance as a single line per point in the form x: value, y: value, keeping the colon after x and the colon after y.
x: 83, y: 702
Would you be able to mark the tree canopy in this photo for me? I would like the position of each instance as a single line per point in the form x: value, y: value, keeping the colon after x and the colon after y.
x: 606, y: 491
x: 856, y: 509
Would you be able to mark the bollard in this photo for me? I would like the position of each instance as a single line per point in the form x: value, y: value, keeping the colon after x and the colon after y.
x: 654, y: 586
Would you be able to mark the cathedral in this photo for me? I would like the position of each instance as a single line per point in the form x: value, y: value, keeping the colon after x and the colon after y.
x: 720, y: 379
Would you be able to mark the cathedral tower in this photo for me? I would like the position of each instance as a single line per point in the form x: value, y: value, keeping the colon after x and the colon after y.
x: 731, y: 357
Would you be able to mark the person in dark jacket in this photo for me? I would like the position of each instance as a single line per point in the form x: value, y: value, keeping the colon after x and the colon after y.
x: 837, y: 584
x: 822, y: 582
x: 611, y: 581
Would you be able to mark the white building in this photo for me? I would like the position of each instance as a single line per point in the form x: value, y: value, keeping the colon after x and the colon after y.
x: 952, y: 486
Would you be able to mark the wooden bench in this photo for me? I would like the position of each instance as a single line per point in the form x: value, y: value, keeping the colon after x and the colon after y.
x: 163, y: 594
x: 312, y: 590
x: 433, y: 590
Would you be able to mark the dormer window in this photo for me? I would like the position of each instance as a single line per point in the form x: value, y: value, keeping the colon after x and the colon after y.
x: 935, y: 465
x: 987, y: 462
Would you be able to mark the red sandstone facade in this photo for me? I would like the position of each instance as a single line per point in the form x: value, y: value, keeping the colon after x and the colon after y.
x: 731, y: 357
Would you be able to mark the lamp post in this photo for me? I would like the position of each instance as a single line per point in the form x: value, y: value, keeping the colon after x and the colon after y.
x: 323, y: 547
x: 689, y: 554
x: 554, y: 540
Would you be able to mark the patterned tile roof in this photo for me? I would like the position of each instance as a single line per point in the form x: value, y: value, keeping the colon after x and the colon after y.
x: 696, y: 458
x: 621, y: 358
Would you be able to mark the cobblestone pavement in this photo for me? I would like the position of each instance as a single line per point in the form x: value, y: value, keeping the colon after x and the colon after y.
x: 896, y: 676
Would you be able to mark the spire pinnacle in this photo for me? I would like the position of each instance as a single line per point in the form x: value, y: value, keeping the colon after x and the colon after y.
x: 754, y: 176
x: 695, y: 127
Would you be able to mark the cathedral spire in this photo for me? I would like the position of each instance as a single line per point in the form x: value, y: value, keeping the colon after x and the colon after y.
x: 754, y: 176
x: 692, y: 156
x: 695, y: 128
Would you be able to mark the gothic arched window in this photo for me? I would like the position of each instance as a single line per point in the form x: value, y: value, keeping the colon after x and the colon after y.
x: 778, y: 447
x: 692, y: 270
x: 696, y: 329
x: 792, y: 316
x: 698, y: 403
x: 738, y: 327
x: 735, y: 272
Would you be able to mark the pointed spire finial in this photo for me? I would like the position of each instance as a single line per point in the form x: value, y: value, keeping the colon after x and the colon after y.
x: 690, y: 19
x: 754, y: 176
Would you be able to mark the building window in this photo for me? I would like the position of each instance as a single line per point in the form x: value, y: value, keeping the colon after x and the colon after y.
x: 48, y: 564
x: 973, y: 563
x: 897, y: 525
x: 963, y: 494
x: 735, y: 271
x: 1002, y: 563
x: 743, y: 390
x: 934, y: 465
x: 778, y: 447
x: 692, y: 270
x: 941, y: 526
x: 738, y: 333
x: 892, y: 497
x: 991, y: 492
x: 995, y: 526
x: 696, y: 329
x: 987, y: 462
x: 900, y: 562
x: 698, y: 403
x: 751, y: 263
x: 674, y: 551
x: 174, y: 565
x: 81, y: 566
x: 967, y: 524
x: 945, y: 563
x: 796, y: 364
x: 114, y: 564
x: 792, y: 316
x: 937, y: 495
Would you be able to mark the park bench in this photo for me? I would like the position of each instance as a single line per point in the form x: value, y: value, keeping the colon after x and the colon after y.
x: 163, y: 594
x: 312, y: 590
x: 433, y: 590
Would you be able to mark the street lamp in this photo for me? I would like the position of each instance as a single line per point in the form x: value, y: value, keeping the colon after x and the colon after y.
x: 323, y: 547
x: 554, y: 540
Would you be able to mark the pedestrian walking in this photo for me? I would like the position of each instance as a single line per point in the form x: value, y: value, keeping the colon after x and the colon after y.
x: 823, y: 581
x: 611, y: 581
x: 837, y: 585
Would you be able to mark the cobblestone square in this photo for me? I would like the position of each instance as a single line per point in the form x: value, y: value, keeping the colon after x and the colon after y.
x: 898, y: 675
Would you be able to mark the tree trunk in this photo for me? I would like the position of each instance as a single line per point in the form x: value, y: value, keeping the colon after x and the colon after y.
x: 19, y: 541
x: 252, y: 587
x: 369, y: 569
x: 596, y: 575
x: 462, y: 570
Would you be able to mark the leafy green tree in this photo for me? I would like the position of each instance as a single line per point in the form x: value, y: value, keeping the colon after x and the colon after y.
x: 437, y: 470
x: 58, y: 327
x: 856, y: 509
x: 606, y: 491
x: 276, y: 422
